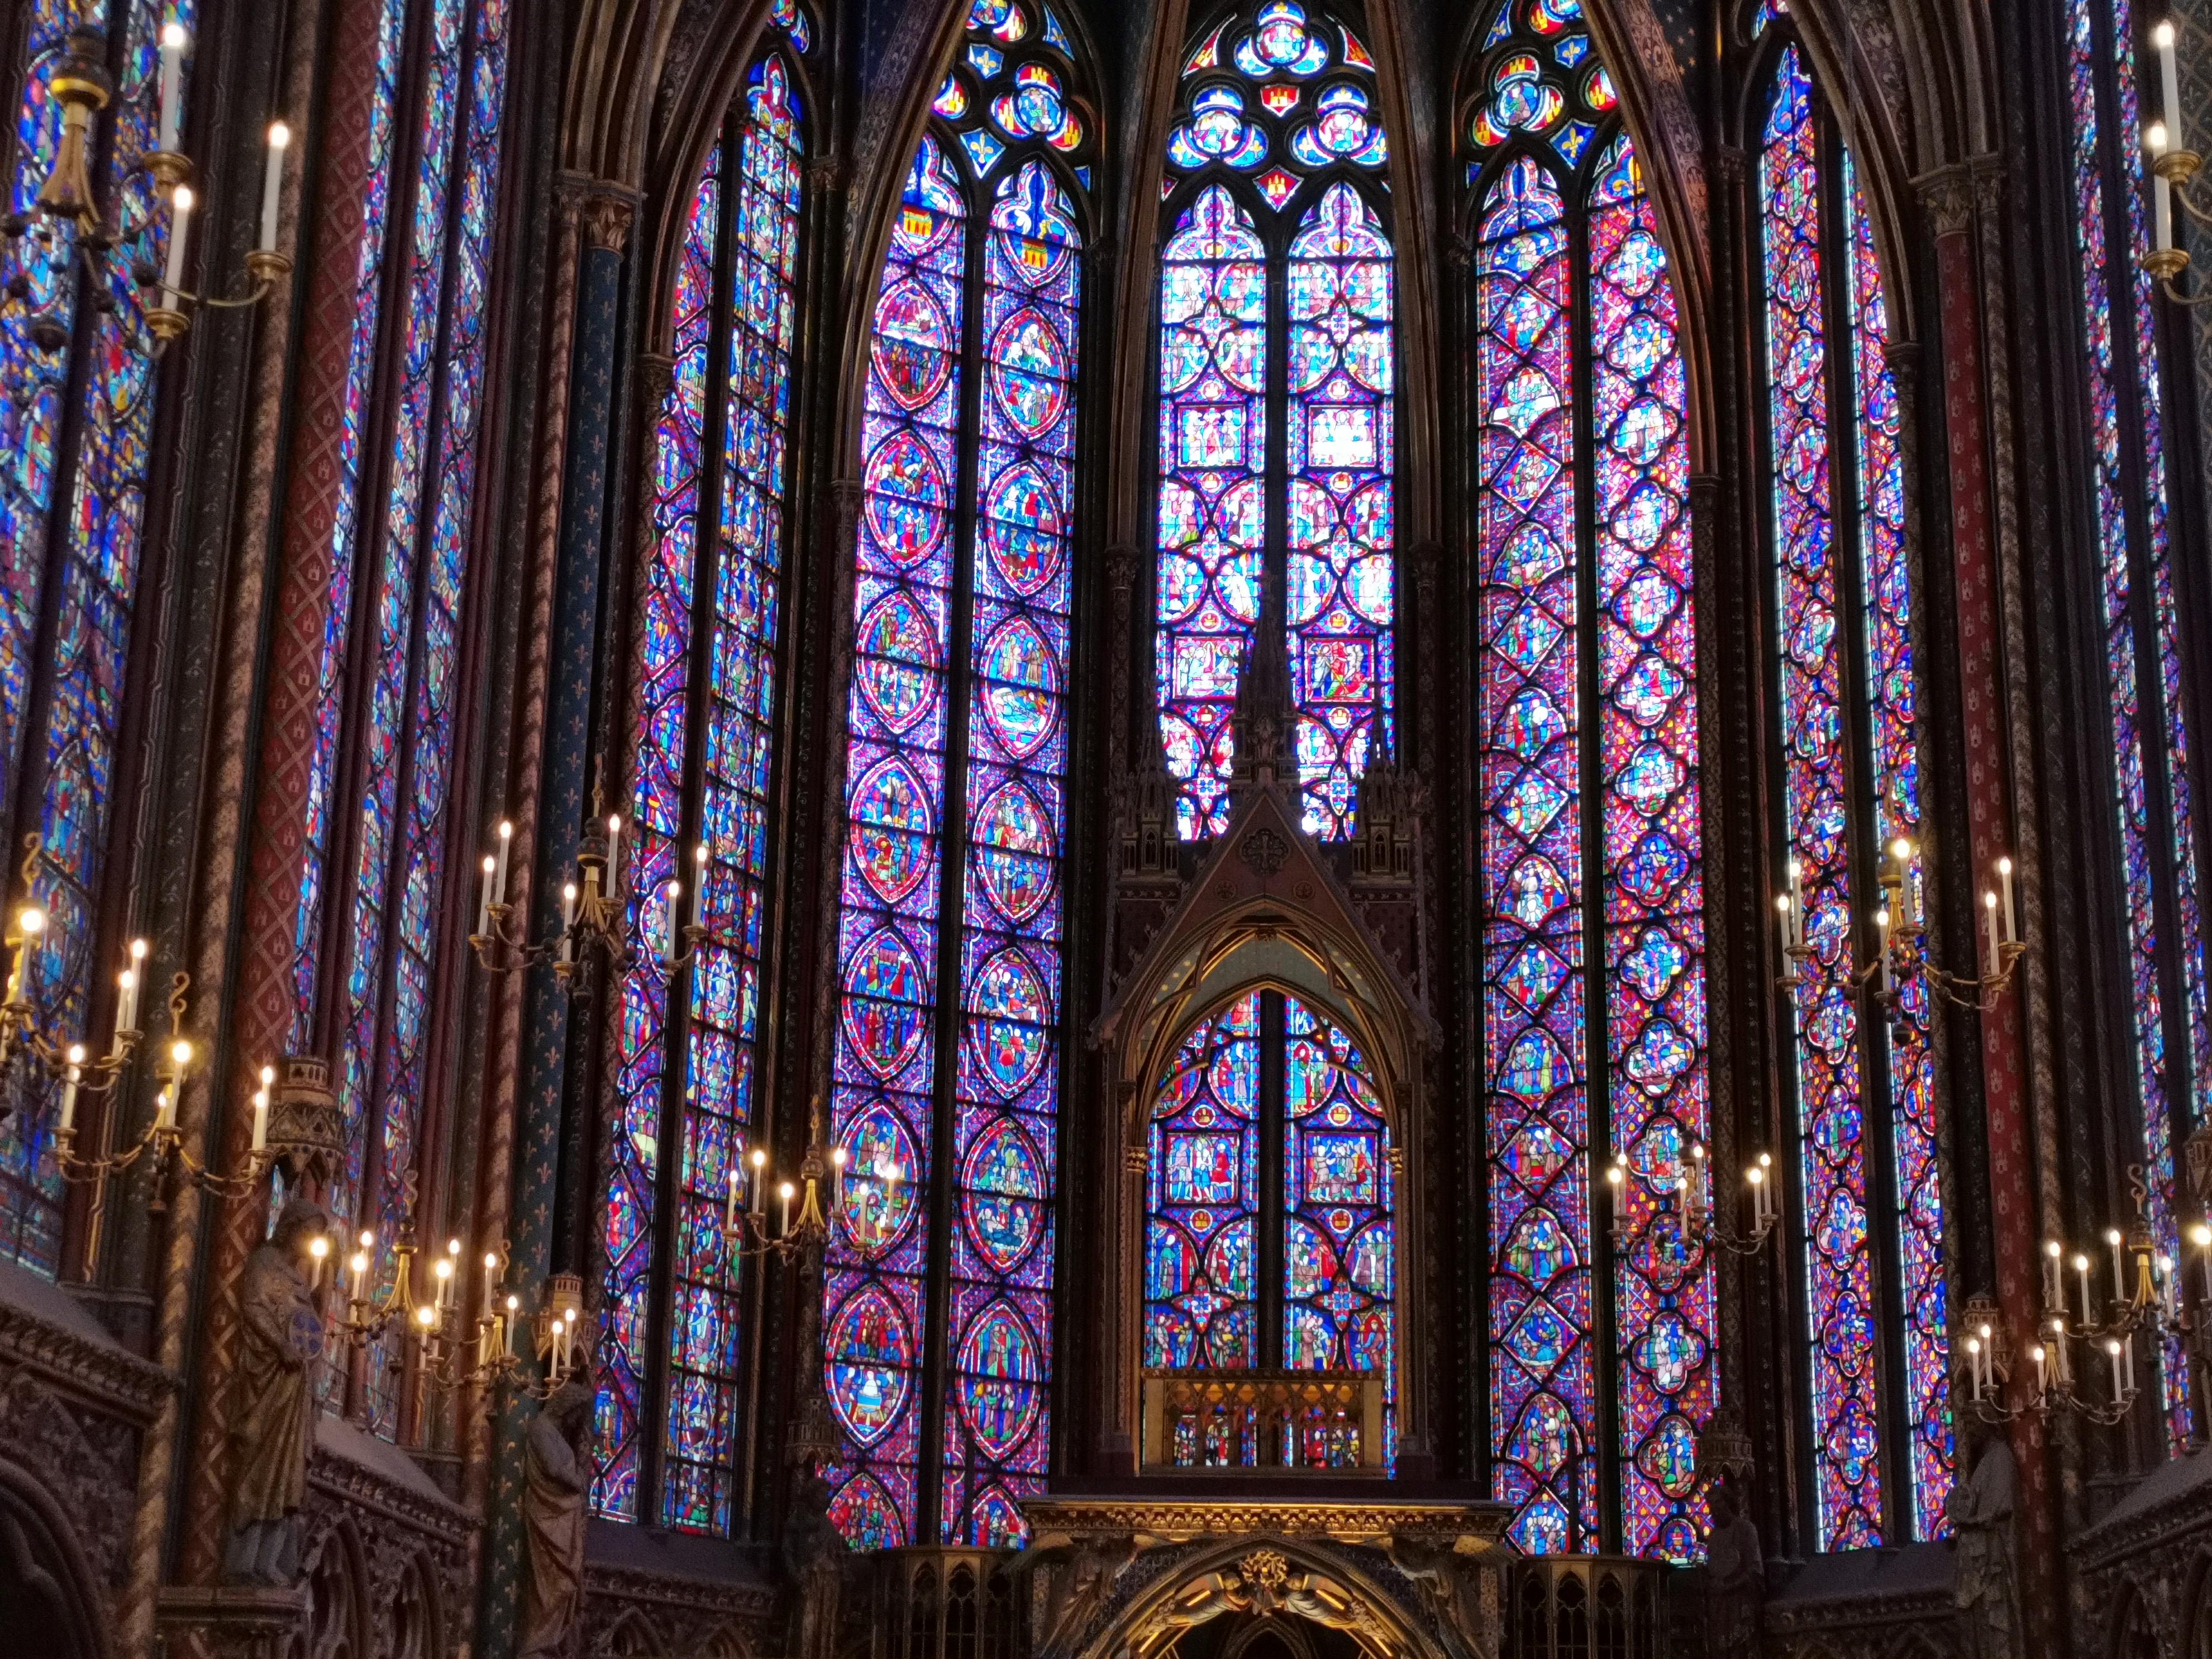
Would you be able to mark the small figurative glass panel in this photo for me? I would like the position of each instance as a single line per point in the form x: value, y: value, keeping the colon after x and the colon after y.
x: 1277, y: 434
x: 1202, y: 1195
x: 954, y: 826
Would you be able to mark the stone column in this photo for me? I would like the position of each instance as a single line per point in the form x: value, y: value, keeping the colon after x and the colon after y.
x: 1947, y: 197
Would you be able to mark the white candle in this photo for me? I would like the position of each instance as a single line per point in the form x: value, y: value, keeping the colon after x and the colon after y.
x: 261, y: 1119
x: 514, y: 1307
x: 2119, y: 1387
x: 837, y: 1180
x: 2042, y: 1373
x: 2011, y: 920
x: 272, y: 182
x: 730, y: 1209
x: 499, y: 881
x: 70, y: 1078
x: 2119, y: 1276
x: 2054, y: 1293
x: 614, y: 852
x: 165, y: 1107
x: 483, y: 908
x: 759, y: 1161
x: 567, y: 919
x: 1881, y: 945
x: 2081, y: 1272
x: 180, y: 219
x: 173, y: 78
x: 668, y: 923
x: 1989, y: 918
x: 783, y: 1209
x: 1974, y: 1364
x: 2169, y: 78
x: 1782, y: 915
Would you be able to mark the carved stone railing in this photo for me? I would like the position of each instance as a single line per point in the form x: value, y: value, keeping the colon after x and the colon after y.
x: 1242, y: 1421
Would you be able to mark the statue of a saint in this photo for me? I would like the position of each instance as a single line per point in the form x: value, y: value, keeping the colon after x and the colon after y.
x: 557, y: 1467
x: 1983, y: 1587
x: 272, y: 1401
x: 1736, y: 1577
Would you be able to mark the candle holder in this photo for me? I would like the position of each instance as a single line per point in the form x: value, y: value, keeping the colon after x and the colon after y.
x: 2146, y: 1300
x: 1688, y: 1198
x: 592, y: 913
x: 381, y: 1308
x: 163, y: 1140
x: 80, y: 83
x: 1901, y: 924
x: 21, y: 1036
x: 2174, y: 170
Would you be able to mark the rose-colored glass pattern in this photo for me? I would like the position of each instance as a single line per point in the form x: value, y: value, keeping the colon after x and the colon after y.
x: 1278, y: 119
x: 1664, y: 1311
x: 1542, y: 1368
x: 1886, y: 605
x: 659, y: 729
x: 1830, y: 1074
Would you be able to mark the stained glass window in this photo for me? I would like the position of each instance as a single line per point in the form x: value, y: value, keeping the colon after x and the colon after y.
x: 72, y: 540
x: 1273, y: 166
x: 1862, y: 1074
x: 2154, y: 797
x: 1267, y: 1082
x: 415, y: 532
x: 956, y: 753
x: 702, y: 725
x: 1563, y: 226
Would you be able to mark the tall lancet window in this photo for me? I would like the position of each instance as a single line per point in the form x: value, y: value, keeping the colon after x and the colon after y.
x: 1276, y: 405
x: 947, y: 1050
x: 2152, y: 721
x: 1593, y: 937
x: 77, y: 427
x: 1848, y: 815
x: 703, y: 721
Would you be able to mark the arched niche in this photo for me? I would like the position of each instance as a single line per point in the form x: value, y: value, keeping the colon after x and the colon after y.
x: 1263, y: 914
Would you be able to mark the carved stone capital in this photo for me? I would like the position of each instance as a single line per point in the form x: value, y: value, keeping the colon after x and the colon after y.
x: 1120, y: 571
x: 824, y: 173
x: 1947, y: 196
x: 1728, y: 164
x: 607, y: 218
x: 1427, y: 559
x: 656, y: 378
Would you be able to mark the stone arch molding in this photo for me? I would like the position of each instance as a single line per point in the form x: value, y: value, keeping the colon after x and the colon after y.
x: 1290, y: 1580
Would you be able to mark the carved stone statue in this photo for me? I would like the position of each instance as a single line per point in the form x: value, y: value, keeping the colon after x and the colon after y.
x: 1984, y: 1589
x: 272, y: 1402
x: 557, y: 1469
x: 1736, y: 1577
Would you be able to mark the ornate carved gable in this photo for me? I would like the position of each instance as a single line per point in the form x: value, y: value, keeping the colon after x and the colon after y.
x: 1264, y: 908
